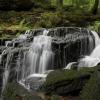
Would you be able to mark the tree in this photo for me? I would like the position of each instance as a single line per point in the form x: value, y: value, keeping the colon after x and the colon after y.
x: 59, y: 2
x: 95, y: 7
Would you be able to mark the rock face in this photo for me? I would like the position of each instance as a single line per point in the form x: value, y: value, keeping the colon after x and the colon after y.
x: 68, y: 44
x: 15, y: 4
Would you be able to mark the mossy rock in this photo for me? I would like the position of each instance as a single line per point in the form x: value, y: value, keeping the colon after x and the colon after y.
x: 61, y: 75
x: 13, y: 91
x: 62, y: 82
x: 91, y: 91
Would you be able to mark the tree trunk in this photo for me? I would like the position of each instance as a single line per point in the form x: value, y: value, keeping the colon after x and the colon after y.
x: 95, y: 7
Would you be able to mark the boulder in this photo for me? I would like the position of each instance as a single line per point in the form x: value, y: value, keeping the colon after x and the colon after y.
x: 66, y: 82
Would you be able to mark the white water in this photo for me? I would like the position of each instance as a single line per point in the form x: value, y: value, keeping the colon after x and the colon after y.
x: 97, y: 38
x: 70, y: 65
x: 88, y: 61
x: 96, y: 52
x: 7, y: 43
x: 45, y: 32
x: 9, y: 57
x: 40, y: 54
x: 24, y: 36
x: 21, y: 37
x: 40, y: 57
x: 0, y: 58
x: 6, y: 72
x: 93, y: 59
x: 37, y: 75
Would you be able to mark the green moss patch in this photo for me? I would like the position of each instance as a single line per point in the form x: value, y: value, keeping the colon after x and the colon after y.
x: 63, y: 82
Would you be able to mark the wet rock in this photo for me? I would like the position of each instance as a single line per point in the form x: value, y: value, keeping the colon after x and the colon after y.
x: 65, y: 82
x: 68, y: 45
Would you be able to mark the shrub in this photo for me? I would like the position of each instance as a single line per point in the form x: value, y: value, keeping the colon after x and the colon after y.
x: 48, y: 20
x: 95, y: 26
x: 21, y: 26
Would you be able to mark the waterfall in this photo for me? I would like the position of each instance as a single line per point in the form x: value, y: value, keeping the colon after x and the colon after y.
x: 89, y: 60
x: 97, y: 39
x: 70, y: 65
x: 0, y: 58
x: 40, y: 54
x: 6, y: 71
x: 76, y: 44
x: 37, y: 52
x: 39, y: 58
x: 92, y: 60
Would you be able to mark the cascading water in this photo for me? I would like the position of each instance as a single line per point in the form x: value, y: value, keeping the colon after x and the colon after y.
x: 6, y: 72
x: 76, y: 44
x: 0, y: 58
x: 38, y: 52
x: 97, y: 39
x: 93, y: 59
x: 39, y: 57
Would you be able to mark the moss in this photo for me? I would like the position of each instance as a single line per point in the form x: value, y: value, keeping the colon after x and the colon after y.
x: 61, y: 75
x: 63, y: 82
x: 91, y: 91
x: 13, y: 90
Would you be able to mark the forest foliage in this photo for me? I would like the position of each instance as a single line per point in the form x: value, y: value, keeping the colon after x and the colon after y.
x: 92, y: 6
x: 52, y: 13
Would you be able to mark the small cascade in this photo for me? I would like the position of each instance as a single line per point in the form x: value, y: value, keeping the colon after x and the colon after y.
x: 96, y: 52
x: 7, y: 43
x: 94, y: 58
x: 45, y: 32
x: 40, y: 54
x: 0, y: 58
x: 97, y: 39
x: 88, y: 62
x: 6, y: 71
x: 91, y: 60
x: 39, y: 58
x: 70, y: 65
